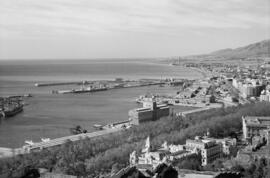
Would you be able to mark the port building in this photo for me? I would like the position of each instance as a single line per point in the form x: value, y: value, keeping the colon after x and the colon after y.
x: 149, y: 112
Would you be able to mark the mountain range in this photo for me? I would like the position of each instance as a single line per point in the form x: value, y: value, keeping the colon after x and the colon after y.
x: 256, y: 50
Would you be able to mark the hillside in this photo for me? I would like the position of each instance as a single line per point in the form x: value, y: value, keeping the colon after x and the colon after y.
x: 256, y: 50
x: 260, y: 49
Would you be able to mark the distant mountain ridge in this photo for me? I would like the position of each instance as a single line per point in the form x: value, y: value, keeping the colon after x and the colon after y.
x: 256, y: 50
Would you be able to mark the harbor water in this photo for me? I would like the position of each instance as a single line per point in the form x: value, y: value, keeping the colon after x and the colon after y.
x: 48, y: 115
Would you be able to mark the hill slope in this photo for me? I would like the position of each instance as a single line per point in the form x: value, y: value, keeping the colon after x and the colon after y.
x: 259, y: 49
x: 256, y: 50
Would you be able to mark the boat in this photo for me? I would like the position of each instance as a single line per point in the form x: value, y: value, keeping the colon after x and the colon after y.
x: 89, y: 89
x: 28, y: 95
x: 10, y: 106
x: 62, y: 91
x: 140, y: 99
x: 81, y: 90
x: 12, y: 112
x: 11, y: 109
x: 20, y: 96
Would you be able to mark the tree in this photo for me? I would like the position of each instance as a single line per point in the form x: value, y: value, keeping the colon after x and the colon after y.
x: 167, y: 172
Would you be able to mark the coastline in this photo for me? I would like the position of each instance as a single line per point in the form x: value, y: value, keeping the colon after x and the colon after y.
x: 205, y: 74
x: 43, y: 116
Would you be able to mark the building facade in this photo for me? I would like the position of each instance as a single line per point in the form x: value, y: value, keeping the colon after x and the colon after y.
x: 253, y: 126
x: 265, y: 95
x: 210, y: 150
x: 228, y: 144
x: 149, y: 112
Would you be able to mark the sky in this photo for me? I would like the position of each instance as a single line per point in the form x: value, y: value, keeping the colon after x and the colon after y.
x: 90, y: 29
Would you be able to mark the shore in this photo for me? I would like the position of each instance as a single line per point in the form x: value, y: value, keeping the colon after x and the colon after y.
x: 205, y: 74
x: 51, y: 116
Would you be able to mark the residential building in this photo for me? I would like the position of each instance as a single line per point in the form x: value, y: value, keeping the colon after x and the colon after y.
x: 149, y: 159
x: 210, y: 150
x: 228, y: 144
x: 265, y: 95
x: 254, y: 125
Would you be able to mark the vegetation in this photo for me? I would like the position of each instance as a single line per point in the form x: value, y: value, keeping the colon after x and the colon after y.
x: 193, y: 163
x: 258, y: 169
x: 91, y: 157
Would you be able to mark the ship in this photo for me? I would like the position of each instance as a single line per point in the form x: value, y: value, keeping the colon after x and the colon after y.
x: 10, y: 107
x: 144, y: 98
x: 81, y: 90
x: 12, y: 111
x: 62, y: 91
x: 89, y: 89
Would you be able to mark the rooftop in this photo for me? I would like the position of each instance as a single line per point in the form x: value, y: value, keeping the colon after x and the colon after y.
x: 143, y: 109
x: 205, y: 142
x: 254, y: 120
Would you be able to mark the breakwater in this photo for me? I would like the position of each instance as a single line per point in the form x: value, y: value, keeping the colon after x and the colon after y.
x: 61, y: 83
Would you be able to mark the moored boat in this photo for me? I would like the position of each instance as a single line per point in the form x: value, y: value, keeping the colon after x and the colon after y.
x: 13, y: 111
x: 81, y: 90
x: 10, y: 107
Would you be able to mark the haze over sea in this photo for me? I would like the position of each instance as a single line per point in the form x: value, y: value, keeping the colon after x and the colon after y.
x: 51, y: 115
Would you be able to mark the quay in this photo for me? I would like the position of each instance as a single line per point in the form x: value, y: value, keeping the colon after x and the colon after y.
x: 101, y: 85
x: 8, y: 152
x: 73, y: 138
x: 90, y: 90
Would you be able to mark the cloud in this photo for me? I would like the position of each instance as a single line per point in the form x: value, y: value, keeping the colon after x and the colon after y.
x: 96, y: 17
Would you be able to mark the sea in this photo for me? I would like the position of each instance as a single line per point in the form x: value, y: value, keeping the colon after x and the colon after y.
x: 48, y: 115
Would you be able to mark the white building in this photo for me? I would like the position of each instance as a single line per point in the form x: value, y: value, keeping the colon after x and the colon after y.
x: 210, y: 150
x: 254, y: 125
